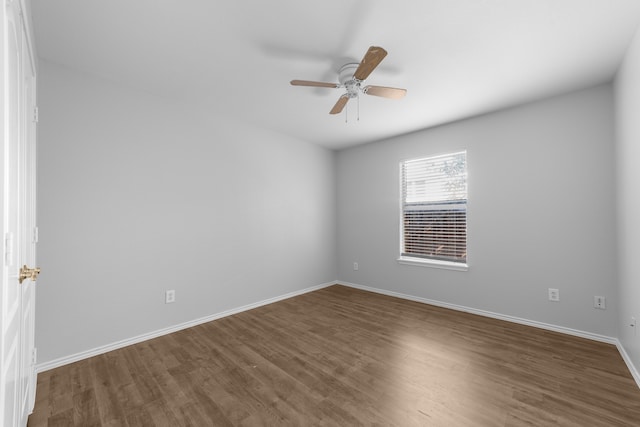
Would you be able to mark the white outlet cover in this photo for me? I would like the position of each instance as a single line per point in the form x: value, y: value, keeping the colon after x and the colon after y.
x: 600, y: 302
x: 169, y: 296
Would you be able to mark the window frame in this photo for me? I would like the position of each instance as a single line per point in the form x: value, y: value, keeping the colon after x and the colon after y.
x: 424, y: 261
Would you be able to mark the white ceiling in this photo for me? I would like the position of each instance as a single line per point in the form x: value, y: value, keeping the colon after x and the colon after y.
x: 457, y: 58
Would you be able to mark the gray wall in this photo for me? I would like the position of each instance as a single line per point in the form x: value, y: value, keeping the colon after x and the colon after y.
x: 137, y: 195
x: 541, y: 212
x: 627, y: 87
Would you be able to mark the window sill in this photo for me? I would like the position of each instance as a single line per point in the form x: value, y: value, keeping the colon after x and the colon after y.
x: 421, y: 262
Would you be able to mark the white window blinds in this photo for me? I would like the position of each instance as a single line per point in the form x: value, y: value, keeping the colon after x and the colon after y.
x: 434, y: 207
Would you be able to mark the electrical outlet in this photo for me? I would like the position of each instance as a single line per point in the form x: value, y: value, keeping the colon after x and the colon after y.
x: 599, y: 302
x: 355, y: 266
x: 554, y: 294
x: 169, y: 296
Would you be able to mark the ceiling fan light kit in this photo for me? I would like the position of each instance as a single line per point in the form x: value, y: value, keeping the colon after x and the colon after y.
x: 352, y: 75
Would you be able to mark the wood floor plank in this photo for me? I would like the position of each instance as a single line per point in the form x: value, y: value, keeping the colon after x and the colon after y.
x: 85, y: 408
x: 341, y: 356
x: 60, y: 399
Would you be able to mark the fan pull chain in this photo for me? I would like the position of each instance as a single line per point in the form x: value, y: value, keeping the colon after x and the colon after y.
x: 358, y: 107
x: 346, y: 114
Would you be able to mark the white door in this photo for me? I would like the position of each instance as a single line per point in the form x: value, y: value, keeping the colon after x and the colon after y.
x: 17, y: 354
x: 28, y: 230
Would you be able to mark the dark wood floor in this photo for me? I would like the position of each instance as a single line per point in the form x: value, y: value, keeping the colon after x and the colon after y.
x: 344, y: 357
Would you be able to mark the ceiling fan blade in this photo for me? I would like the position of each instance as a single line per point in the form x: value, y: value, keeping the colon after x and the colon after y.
x: 385, y: 92
x: 337, y: 109
x: 313, y: 84
x: 371, y: 59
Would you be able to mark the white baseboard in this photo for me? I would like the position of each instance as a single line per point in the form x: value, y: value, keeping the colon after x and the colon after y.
x: 484, y: 313
x: 629, y: 362
x: 41, y: 367
x: 536, y: 324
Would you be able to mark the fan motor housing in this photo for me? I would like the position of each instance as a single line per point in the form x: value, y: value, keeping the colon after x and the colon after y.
x: 346, y: 79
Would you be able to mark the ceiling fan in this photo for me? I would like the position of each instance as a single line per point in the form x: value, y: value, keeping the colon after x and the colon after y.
x: 352, y: 75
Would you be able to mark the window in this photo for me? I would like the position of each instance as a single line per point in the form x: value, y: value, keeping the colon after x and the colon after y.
x: 434, y: 211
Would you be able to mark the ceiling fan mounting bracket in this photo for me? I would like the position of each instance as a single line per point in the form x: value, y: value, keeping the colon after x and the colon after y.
x: 346, y: 72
